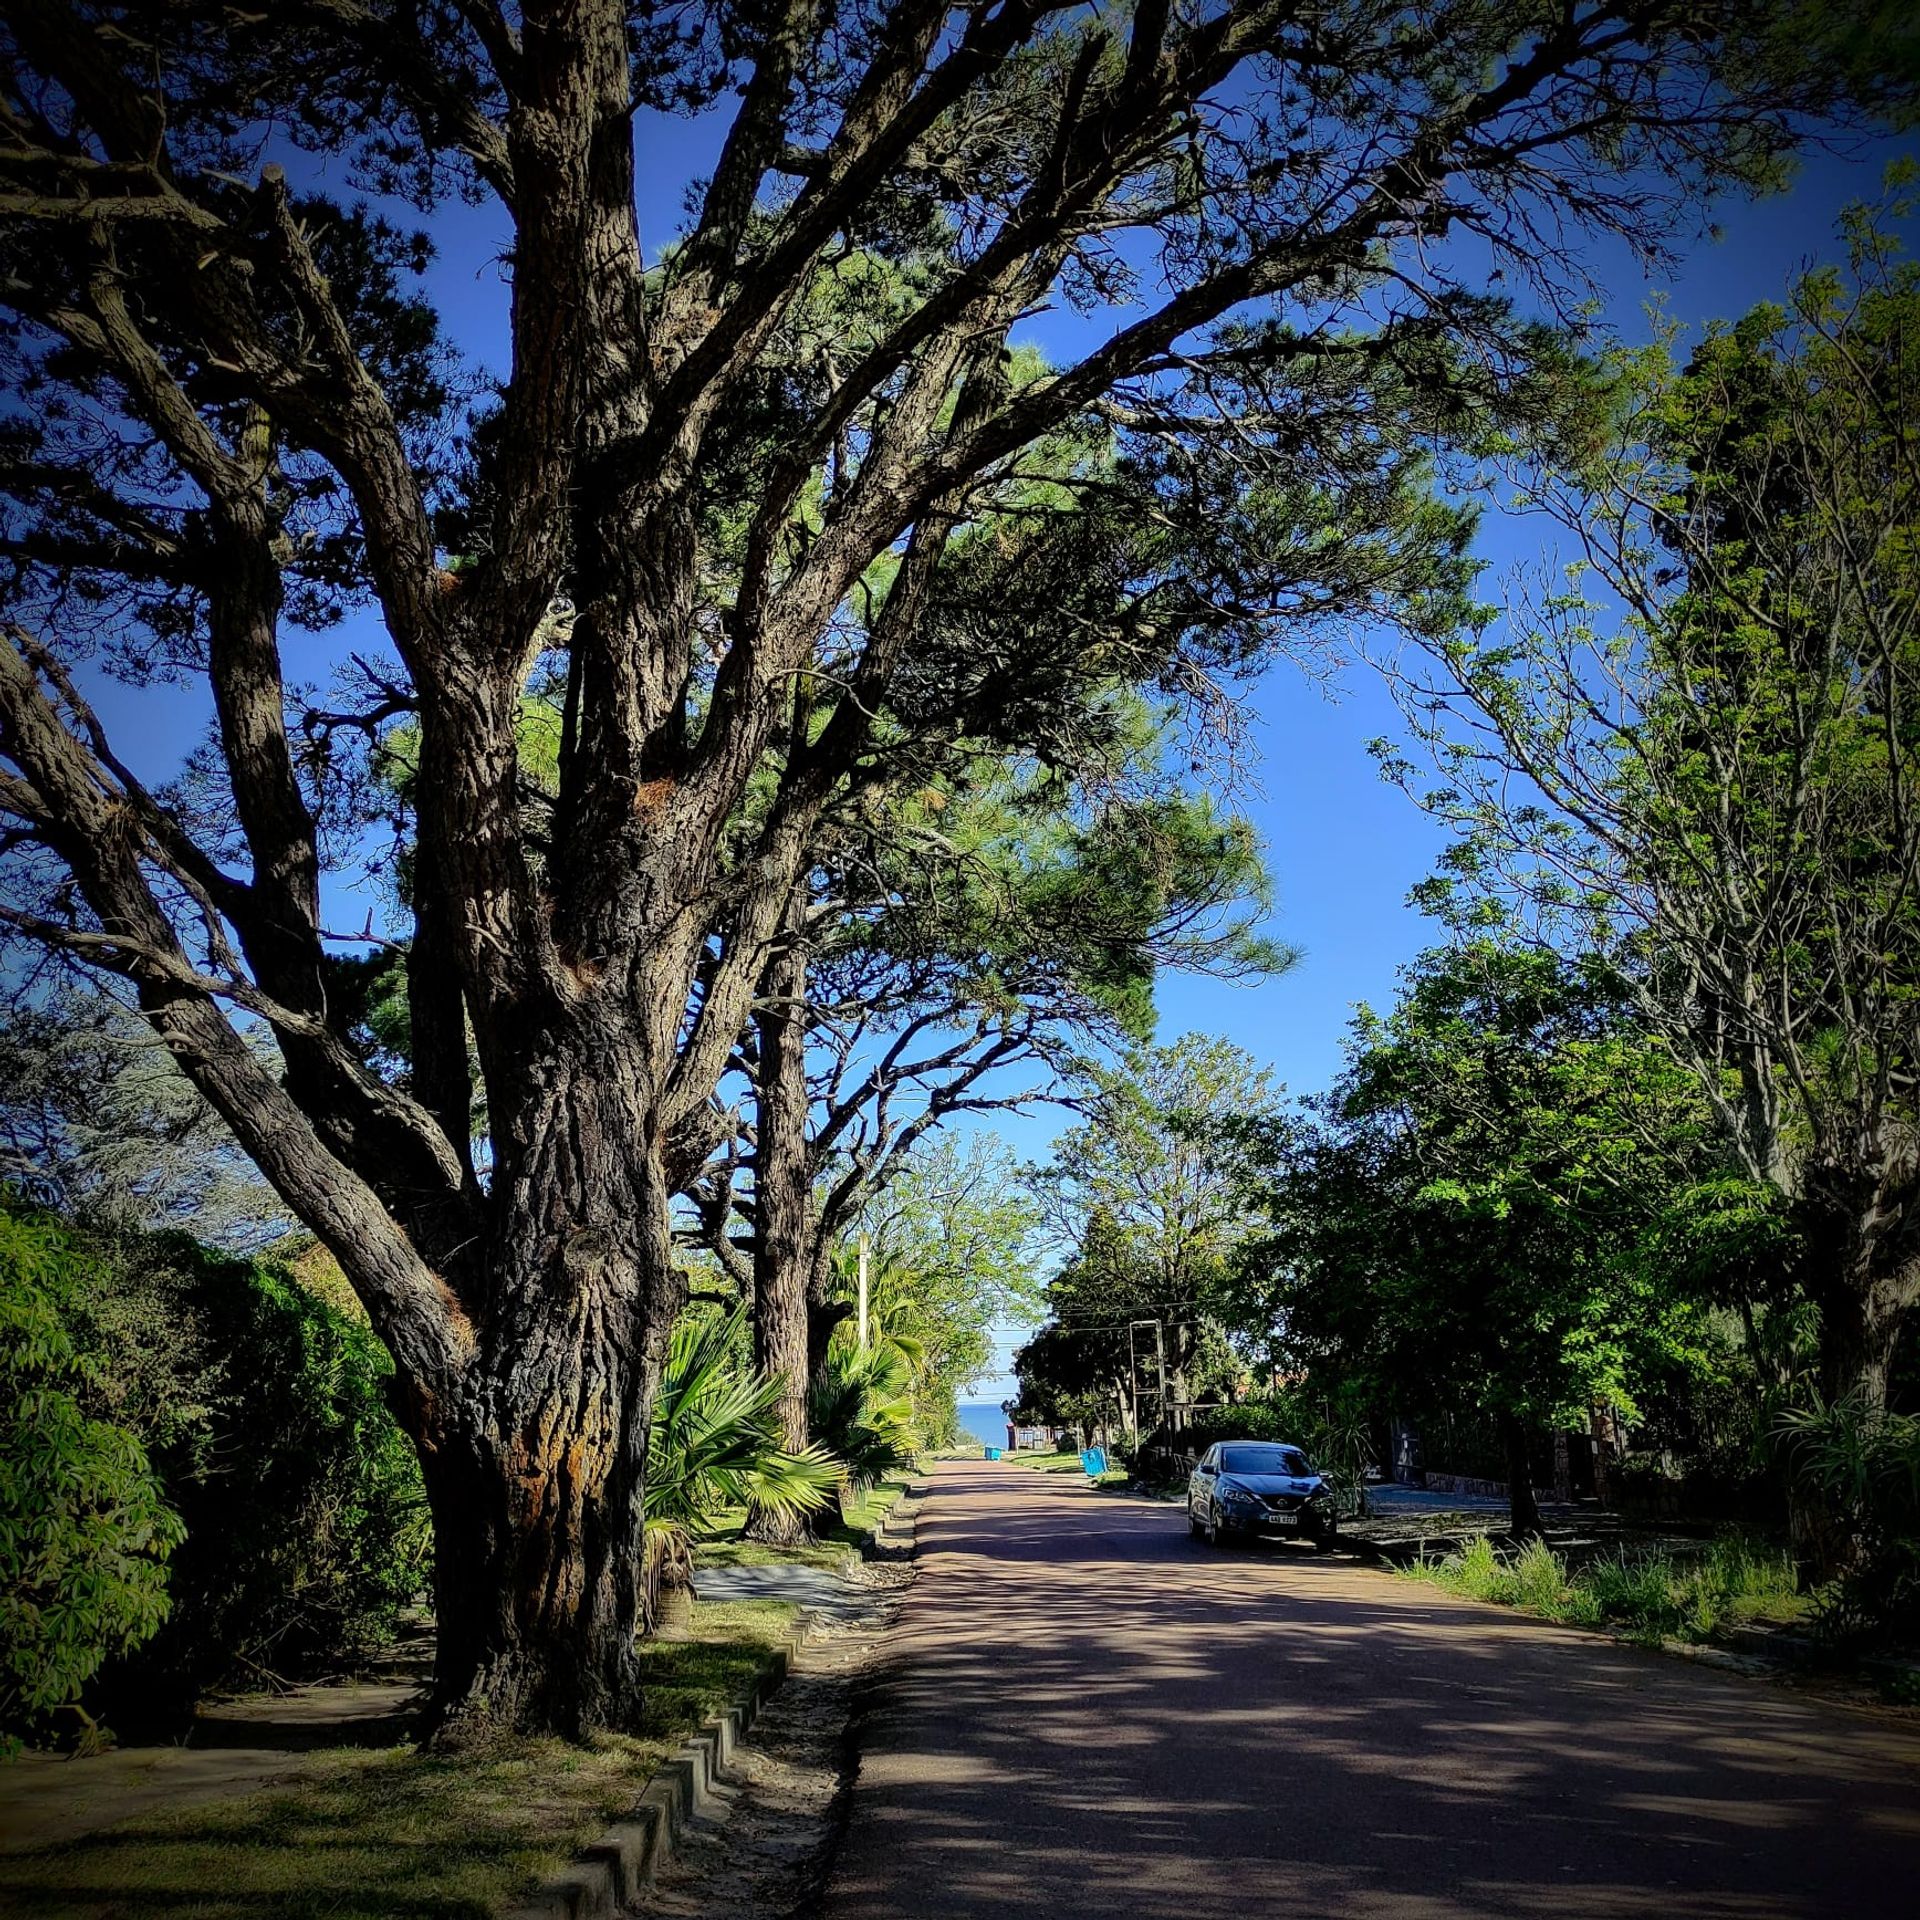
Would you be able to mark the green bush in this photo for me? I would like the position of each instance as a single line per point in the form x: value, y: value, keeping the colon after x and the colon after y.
x: 263, y: 1412
x: 1535, y: 1578
x: 307, y: 1529
x: 84, y: 1531
x: 1625, y: 1591
x: 1855, y: 1468
x: 1275, y: 1418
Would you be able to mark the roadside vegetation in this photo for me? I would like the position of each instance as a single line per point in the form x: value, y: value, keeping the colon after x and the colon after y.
x: 202, y: 1485
x: 396, y: 1833
x: 1616, y: 1200
x: 1650, y: 1596
x: 203, y: 1489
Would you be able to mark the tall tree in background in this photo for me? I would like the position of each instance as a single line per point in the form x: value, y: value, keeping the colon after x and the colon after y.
x: 950, y: 1248
x: 95, y: 1116
x: 1462, y: 1226
x: 234, y: 420
x: 1142, y: 1194
x: 962, y: 945
x: 1729, y: 769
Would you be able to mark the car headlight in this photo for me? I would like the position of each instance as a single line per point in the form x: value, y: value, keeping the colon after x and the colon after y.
x: 1239, y: 1497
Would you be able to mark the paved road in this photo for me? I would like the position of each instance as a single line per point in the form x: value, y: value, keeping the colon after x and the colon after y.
x: 1086, y: 1715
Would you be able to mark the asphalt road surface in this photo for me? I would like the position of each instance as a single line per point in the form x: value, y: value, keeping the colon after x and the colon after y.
x: 1084, y: 1713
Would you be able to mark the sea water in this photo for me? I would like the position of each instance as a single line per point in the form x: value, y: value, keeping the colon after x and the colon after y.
x: 984, y: 1421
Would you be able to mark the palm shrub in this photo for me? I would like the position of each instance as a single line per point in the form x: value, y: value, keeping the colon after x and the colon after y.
x: 861, y: 1410
x: 85, y: 1532
x: 1856, y: 1470
x: 716, y: 1442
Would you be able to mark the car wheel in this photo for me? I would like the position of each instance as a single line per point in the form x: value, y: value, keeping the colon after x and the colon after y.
x: 1195, y: 1531
x: 1216, y: 1533
x: 1326, y: 1539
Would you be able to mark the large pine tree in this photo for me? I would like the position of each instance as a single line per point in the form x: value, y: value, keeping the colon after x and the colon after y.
x: 230, y: 413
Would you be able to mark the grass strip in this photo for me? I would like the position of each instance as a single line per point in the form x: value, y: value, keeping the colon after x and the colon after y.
x: 1068, y: 1463
x: 1649, y: 1597
x: 378, y: 1834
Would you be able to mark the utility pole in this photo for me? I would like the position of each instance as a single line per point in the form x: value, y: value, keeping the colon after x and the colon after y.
x: 863, y: 1294
x: 1154, y: 1356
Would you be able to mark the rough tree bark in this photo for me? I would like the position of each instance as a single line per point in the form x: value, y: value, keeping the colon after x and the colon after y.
x: 1860, y: 1228
x: 785, y: 1235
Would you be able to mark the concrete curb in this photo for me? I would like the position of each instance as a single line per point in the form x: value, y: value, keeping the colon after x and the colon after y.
x: 609, y: 1875
x: 616, y: 1869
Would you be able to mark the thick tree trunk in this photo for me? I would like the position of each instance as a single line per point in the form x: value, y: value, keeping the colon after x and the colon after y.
x: 535, y: 1457
x: 1525, y: 1520
x: 1859, y: 1328
x: 783, y: 1216
x: 824, y: 1314
x: 1600, y: 1428
x: 540, y: 1546
x: 1860, y: 1227
x: 824, y: 1311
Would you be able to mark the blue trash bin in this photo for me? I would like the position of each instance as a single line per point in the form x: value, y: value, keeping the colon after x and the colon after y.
x: 993, y: 1453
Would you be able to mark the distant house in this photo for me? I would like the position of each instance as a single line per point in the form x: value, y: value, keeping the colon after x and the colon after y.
x: 1034, y: 1439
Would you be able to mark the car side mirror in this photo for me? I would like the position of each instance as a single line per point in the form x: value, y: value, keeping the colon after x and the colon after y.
x: 1204, y: 1468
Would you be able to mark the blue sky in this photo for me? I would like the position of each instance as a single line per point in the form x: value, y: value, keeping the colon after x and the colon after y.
x: 1343, y: 846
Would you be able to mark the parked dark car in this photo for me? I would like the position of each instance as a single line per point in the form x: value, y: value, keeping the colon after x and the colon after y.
x: 1243, y: 1489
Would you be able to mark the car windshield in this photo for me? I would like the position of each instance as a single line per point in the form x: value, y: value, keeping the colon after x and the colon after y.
x: 1255, y: 1459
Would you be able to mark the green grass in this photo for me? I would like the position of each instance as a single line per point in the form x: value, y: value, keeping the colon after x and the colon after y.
x: 852, y: 1533
x: 729, y: 1550
x: 1066, y: 1463
x: 1046, y: 1462
x: 861, y: 1517
x: 1650, y: 1597
x: 396, y: 1834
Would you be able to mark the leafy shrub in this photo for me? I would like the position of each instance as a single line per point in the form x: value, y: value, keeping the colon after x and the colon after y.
x: 84, y: 1532
x: 1268, y: 1418
x: 307, y: 1528
x: 263, y: 1413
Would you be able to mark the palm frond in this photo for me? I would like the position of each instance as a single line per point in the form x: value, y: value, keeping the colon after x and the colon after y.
x: 716, y: 1439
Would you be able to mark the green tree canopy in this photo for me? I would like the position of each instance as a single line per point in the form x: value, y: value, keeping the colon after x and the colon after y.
x: 1465, y: 1220
x: 1713, y: 730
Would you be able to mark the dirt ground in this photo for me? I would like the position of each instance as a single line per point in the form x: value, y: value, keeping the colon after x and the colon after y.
x: 762, y: 1851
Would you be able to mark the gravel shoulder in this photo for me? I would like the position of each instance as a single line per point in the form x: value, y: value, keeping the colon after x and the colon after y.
x: 762, y: 1850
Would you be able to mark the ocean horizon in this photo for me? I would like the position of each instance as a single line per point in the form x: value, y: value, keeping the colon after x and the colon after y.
x: 984, y: 1421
